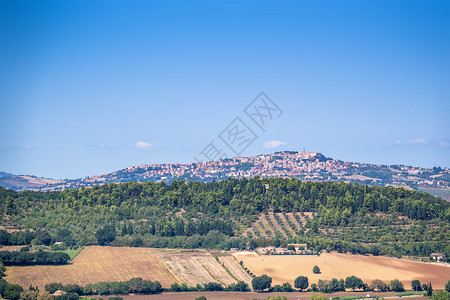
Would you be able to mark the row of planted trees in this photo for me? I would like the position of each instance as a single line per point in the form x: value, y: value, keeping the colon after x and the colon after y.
x: 264, y: 282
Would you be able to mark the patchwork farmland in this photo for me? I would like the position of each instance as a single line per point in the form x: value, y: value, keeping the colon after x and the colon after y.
x: 97, y: 263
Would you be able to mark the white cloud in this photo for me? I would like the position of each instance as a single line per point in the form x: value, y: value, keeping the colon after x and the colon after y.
x: 274, y: 144
x: 143, y: 145
x: 26, y: 146
x: 412, y: 141
x: 443, y: 143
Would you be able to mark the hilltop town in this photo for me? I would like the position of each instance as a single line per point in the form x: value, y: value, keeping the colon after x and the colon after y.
x: 304, y: 165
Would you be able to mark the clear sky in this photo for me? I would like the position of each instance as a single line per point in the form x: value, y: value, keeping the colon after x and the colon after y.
x: 89, y: 87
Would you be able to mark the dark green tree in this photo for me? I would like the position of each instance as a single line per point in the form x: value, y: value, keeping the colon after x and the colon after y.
x: 429, y: 290
x: 12, y: 291
x: 53, y: 287
x: 416, y: 286
x: 316, y: 270
x: 301, y: 283
x: 353, y: 282
x: 261, y: 283
x: 397, y: 286
x: 105, y: 235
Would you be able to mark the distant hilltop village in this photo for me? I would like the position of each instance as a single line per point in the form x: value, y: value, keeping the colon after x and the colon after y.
x: 304, y: 165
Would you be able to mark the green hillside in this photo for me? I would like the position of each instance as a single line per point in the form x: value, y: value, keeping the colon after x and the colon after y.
x: 326, y: 215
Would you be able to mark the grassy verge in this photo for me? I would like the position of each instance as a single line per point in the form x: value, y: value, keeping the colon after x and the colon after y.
x: 73, y: 253
x: 408, y: 294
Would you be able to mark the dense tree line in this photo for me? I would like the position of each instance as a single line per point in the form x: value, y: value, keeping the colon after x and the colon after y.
x: 196, y: 214
x: 16, y: 258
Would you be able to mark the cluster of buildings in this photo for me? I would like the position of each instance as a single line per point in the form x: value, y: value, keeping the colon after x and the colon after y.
x: 304, y: 165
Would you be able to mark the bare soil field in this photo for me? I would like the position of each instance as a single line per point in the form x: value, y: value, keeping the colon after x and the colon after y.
x: 285, y: 268
x: 96, y: 264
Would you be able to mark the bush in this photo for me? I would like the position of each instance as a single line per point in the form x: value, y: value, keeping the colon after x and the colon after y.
x: 12, y: 291
x: 73, y: 288
x: 379, y: 285
x: 53, y: 287
x: 287, y: 287
x: 397, y: 286
x: 278, y: 289
x: 447, y: 286
x: 213, y: 286
x: 441, y: 295
x: 240, y: 286
x: 67, y: 296
x: 318, y: 297
x: 316, y: 270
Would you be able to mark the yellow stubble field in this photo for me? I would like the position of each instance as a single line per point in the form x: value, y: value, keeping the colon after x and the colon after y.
x: 285, y: 268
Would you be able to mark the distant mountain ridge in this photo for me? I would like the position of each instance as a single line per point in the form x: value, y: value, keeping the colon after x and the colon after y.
x: 313, y: 166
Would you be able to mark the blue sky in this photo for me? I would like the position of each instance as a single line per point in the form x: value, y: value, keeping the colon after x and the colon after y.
x: 89, y: 87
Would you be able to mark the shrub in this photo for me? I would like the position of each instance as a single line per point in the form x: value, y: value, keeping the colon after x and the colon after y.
x: 316, y: 270
x: 278, y: 289
x: 53, y: 287
x: 397, y: 286
x: 213, y: 286
x: 379, y: 285
x: 441, y: 295
x: 12, y: 291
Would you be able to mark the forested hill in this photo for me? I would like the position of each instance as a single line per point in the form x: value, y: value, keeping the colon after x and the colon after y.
x: 145, y: 211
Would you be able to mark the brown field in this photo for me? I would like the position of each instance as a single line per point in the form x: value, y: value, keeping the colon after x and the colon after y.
x: 97, y: 263
x: 252, y: 295
x: 195, y: 266
x: 285, y: 268
x: 235, y: 268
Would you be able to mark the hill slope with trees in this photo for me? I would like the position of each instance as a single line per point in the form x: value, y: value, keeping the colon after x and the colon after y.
x: 212, y: 215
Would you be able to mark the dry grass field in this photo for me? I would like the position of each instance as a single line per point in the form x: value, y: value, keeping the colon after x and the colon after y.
x: 199, y: 266
x: 285, y: 268
x: 96, y: 264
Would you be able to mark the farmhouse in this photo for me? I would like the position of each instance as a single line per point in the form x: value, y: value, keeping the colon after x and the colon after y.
x: 438, y: 256
x: 299, y: 247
